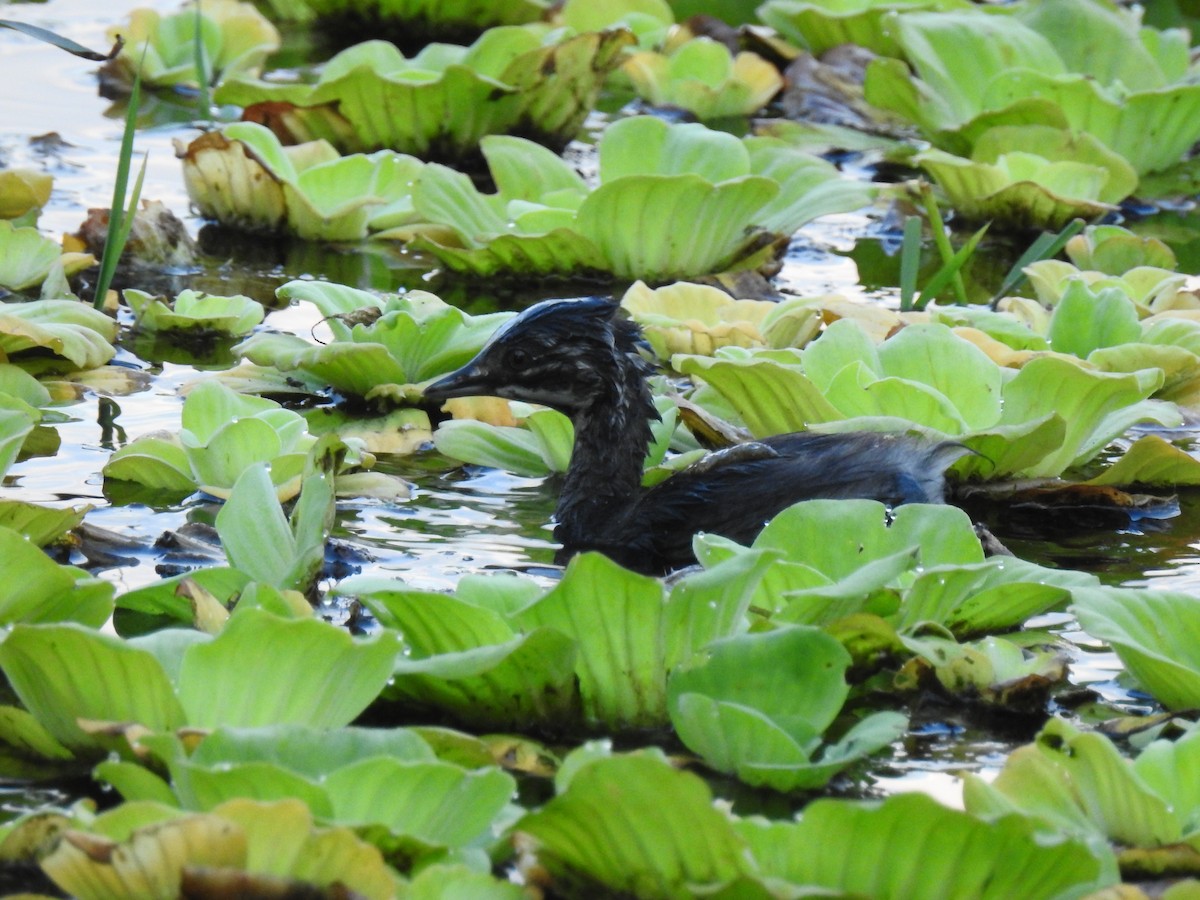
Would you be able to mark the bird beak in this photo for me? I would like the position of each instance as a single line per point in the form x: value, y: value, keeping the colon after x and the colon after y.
x: 468, y: 381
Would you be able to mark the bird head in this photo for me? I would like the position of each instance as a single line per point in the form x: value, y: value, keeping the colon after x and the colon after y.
x: 558, y: 353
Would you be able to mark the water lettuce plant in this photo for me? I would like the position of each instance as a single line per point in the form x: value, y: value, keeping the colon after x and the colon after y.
x: 23, y: 192
x: 633, y: 824
x: 223, y: 435
x: 594, y: 651
x: 917, y: 567
x: 974, y: 70
x: 820, y: 25
x: 993, y: 671
x: 234, y: 38
x: 380, y: 346
x: 758, y: 706
x: 304, y: 671
x: 244, y: 845
x: 439, y: 104
x: 37, y: 589
x: 651, y: 21
x: 244, y: 178
x: 704, y: 78
x: 1078, y: 783
x: 1032, y: 177
x: 1152, y: 632
x: 54, y: 336
x: 1143, y: 320
x: 194, y: 314
x: 388, y: 784
x: 545, y: 220
x: 1037, y: 421
x: 697, y: 318
x: 27, y: 258
x: 1114, y: 250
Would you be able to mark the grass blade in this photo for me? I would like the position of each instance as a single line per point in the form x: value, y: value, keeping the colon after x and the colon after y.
x: 951, y: 271
x: 910, y: 262
x: 200, y: 60
x: 118, y: 230
x: 942, y: 242
x: 62, y: 43
x: 1047, y: 246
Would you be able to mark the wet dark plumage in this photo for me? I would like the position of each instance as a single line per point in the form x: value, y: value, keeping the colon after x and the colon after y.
x: 578, y: 357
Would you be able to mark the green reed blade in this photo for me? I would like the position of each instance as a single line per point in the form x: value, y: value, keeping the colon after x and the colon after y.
x: 118, y: 231
x: 62, y: 43
x: 1047, y: 246
x: 910, y: 262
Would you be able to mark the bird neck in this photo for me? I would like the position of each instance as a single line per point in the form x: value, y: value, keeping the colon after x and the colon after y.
x: 612, y: 435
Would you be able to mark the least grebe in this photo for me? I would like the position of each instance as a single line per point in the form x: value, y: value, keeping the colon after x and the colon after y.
x: 578, y: 357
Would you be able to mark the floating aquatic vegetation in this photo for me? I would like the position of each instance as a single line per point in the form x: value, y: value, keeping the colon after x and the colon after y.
x: 1114, y: 250
x: 976, y: 70
x: 921, y: 565
x: 1032, y: 176
x: 758, y: 706
x: 1139, y: 321
x: 386, y: 783
x: 235, y: 38
x: 245, y: 179
x: 37, y: 589
x: 40, y: 525
x: 704, y: 78
x: 1153, y: 634
x: 650, y: 20
x: 633, y: 824
x: 820, y: 25
x: 544, y: 220
x: 382, y: 345
x: 69, y: 678
x: 223, y: 434
x: 993, y: 671
x: 23, y: 192
x: 1079, y: 784
x: 593, y: 652
x: 55, y: 335
x: 439, y: 104
x: 1038, y: 421
x: 239, y: 847
x: 697, y: 318
x: 285, y: 552
x: 27, y: 258
x: 193, y: 314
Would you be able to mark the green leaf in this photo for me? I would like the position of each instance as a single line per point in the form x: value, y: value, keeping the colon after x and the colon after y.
x: 37, y: 589
x: 527, y: 680
x: 1081, y: 784
x: 304, y: 671
x: 1155, y: 633
x: 195, y: 313
x: 930, y: 852
x: 634, y: 825
x: 436, y: 802
x: 63, y: 673
x: 74, y: 333
x: 1084, y: 320
x: 613, y: 615
x: 57, y: 40
x: 41, y: 525
x: 758, y: 705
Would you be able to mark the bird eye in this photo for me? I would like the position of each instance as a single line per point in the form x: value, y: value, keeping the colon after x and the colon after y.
x: 518, y: 358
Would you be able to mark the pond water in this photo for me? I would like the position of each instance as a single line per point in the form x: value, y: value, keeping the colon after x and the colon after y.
x: 459, y: 521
